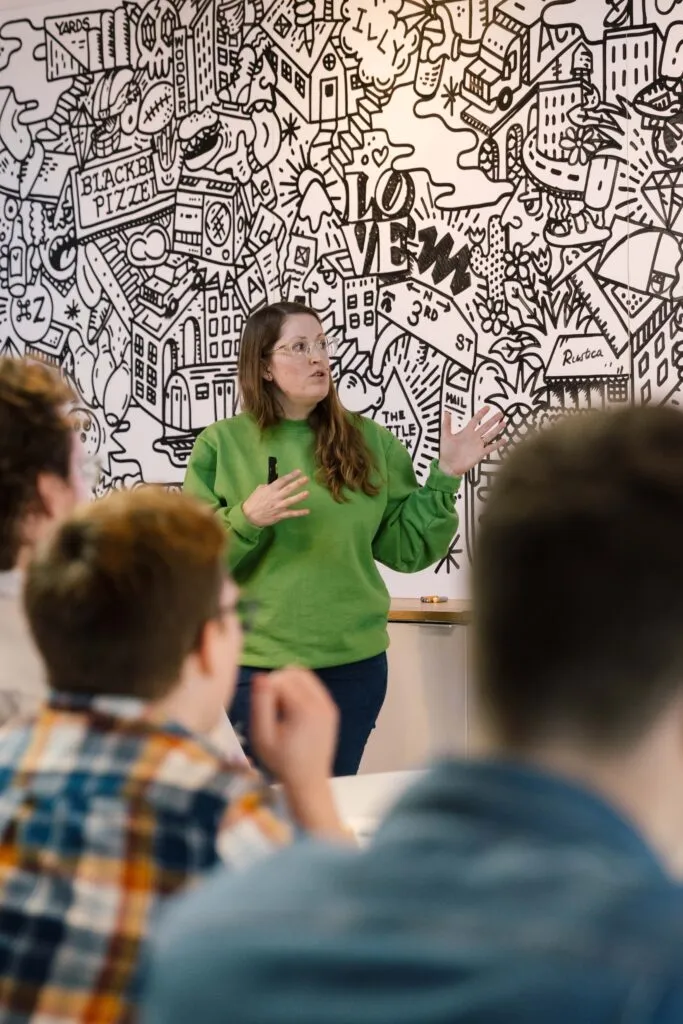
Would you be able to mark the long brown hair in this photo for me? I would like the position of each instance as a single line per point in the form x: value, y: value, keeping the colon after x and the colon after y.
x: 341, y: 454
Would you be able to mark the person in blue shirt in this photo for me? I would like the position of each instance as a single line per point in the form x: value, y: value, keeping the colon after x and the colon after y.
x: 538, y: 882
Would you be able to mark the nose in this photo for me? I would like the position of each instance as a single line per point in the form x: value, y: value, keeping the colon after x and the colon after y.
x: 267, y: 78
x: 510, y: 217
x: 511, y: 220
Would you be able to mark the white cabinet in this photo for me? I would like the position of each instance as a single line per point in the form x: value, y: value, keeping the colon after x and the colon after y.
x: 427, y: 711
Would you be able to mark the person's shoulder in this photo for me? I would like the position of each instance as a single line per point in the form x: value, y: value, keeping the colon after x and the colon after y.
x: 631, y: 938
x: 16, y: 735
x: 375, y: 434
x: 193, y: 763
x: 366, y: 424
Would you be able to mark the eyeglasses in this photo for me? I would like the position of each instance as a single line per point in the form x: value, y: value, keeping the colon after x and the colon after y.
x: 325, y: 347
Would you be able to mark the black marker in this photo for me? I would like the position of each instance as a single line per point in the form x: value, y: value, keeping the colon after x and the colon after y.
x: 272, y: 469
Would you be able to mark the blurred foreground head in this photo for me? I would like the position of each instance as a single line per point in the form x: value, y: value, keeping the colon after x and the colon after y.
x: 38, y: 456
x: 578, y: 583
x: 129, y: 598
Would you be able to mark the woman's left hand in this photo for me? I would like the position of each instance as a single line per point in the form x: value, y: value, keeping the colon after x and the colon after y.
x: 466, y: 448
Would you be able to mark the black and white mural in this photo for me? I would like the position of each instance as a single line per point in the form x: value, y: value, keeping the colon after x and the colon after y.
x: 484, y: 200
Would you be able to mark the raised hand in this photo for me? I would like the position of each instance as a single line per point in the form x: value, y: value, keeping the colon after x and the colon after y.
x: 466, y: 448
x: 294, y: 724
x: 271, y: 503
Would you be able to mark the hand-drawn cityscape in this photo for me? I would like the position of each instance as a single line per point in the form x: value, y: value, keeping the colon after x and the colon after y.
x: 483, y: 199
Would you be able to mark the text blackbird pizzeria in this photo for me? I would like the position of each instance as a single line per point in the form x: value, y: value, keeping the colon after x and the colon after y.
x: 114, y: 187
x: 118, y: 191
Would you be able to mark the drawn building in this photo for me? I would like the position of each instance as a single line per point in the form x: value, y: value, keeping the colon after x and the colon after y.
x: 555, y: 101
x: 630, y: 61
x: 223, y: 322
x: 196, y: 396
x: 227, y: 48
x: 161, y: 345
x: 323, y: 287
x: 202, y: 35
x: 196, y: 383
x: 654, y: 375
x: 584, y: 373
x: 147, y: 365
x: 310, y: 74
x: 360, y: 307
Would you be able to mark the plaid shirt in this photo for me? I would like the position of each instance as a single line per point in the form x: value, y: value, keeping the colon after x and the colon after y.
x: 102, y: 814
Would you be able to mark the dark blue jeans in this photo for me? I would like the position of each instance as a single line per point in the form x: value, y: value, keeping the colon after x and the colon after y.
x: 358, y: 690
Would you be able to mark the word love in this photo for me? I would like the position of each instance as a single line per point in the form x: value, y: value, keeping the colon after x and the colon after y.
x: 380, y: 230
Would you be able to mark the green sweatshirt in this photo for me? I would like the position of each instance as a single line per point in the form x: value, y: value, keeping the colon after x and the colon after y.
x: 320, y: 598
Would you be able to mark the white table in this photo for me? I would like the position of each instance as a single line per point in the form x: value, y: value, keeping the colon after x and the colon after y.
x: 362, y: 800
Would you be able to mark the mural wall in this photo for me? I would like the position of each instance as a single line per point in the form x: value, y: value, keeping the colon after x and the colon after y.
x: 483, y: 200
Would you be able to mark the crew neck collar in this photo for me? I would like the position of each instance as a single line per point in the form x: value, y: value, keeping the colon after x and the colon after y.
x: 294, y: 426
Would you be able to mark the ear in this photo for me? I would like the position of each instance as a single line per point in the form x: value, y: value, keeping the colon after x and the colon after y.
x: 206, y: 652
x: 267, y: 375
x: 56, y: 496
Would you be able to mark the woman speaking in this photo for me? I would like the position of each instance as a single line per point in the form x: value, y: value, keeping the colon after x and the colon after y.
x: 311, y: 497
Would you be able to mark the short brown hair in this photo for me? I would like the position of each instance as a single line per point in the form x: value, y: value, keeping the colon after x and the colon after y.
x: 118, y: 597
x: 35, y: 438
x: 342, y: 456
x: 578, y: 581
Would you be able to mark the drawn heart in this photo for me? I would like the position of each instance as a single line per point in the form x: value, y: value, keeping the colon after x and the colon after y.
x: 380, y: 155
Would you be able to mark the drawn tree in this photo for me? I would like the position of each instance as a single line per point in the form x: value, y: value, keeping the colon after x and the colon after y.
x: 515, y: 377
x: 382, y: 42
x: 522, y: 394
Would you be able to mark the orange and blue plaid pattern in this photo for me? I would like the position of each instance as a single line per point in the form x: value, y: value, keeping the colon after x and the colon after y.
x: 103, y: 813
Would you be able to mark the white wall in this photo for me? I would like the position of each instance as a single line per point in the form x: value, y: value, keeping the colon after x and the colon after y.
x: 167, y: 166
x: 428, y: 708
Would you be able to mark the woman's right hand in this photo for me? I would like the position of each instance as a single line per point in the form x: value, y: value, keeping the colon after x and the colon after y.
x: 271, y: 503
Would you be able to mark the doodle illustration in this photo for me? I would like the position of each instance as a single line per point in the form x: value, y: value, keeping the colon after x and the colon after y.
x: 482, y: 198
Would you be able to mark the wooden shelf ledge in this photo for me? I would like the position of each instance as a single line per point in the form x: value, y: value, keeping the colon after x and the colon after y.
x: 411, y: 609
